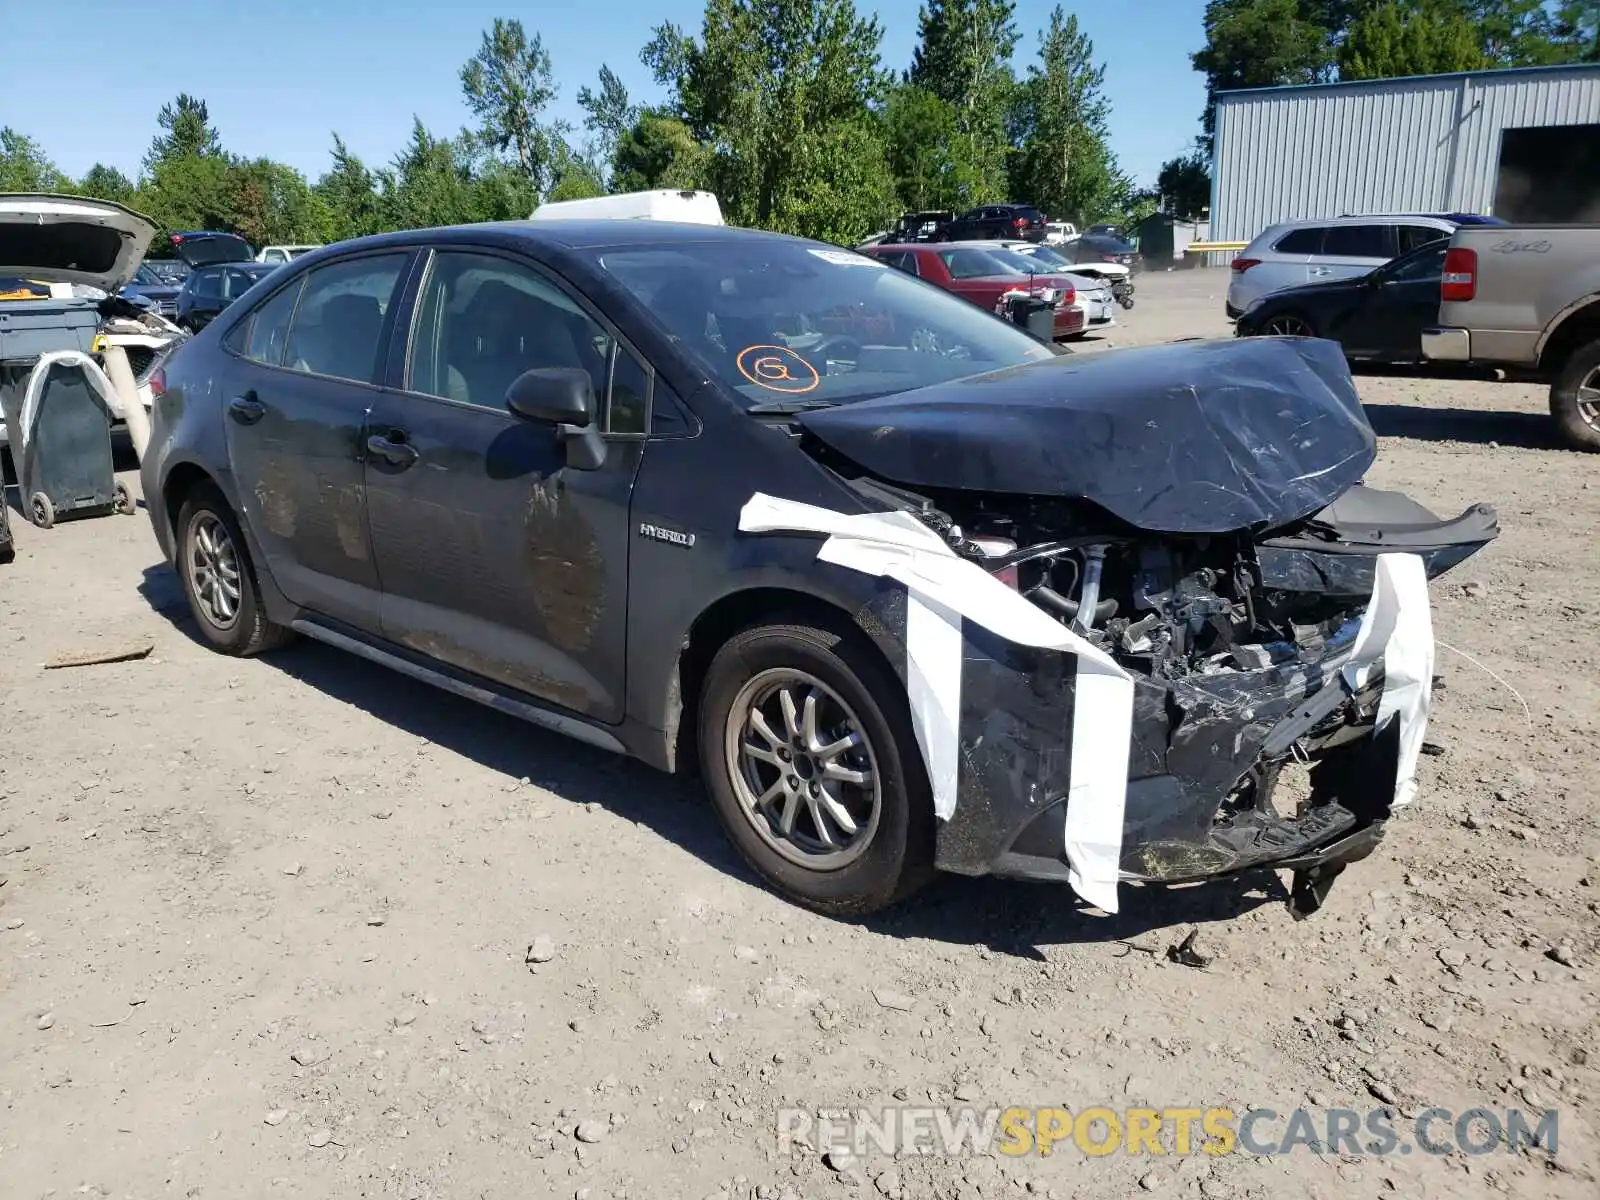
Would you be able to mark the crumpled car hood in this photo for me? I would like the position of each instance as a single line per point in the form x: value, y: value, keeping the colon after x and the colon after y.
x: 1189, y: 437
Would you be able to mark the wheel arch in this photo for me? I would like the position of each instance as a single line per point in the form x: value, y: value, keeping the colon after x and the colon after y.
x: 717, y: 623
x: 1571, y: 331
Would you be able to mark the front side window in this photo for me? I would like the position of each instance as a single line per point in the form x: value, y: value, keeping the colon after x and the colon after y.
x: 338, y: 326
x: 1359, y: 241
x: 780, y: 322
x: 1414, y: 236
x: 1421, y: 267
x: 484, y: 320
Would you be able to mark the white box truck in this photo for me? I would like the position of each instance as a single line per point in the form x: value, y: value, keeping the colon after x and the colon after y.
x: 664, y: 204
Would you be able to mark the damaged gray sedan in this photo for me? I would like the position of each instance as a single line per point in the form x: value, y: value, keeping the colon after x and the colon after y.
x: 910, y: 591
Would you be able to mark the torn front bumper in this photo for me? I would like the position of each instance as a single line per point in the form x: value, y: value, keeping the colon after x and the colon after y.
x: 1195, y: 742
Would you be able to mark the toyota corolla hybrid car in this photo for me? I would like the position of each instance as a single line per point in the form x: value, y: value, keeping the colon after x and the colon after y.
x: 910, y: 590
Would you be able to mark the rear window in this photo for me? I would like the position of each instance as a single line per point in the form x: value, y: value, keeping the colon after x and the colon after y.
x: 1301, y: 241
x: 1359, y: 241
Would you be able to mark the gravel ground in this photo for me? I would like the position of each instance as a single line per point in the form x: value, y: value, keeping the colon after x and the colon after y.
x: 265, y: 925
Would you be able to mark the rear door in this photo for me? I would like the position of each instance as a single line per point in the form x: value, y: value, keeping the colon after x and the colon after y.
x: 494, y: 556
x: 296, y: 394
x: 1353, y: 249
x: 1291, y: 260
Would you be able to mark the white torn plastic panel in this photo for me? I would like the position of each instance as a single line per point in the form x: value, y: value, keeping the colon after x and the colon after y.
x: 942, y: 588
x: 1397, y: 631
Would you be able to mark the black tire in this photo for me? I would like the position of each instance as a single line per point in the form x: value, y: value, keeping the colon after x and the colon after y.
x: 122, y: 501
x: 250, y: 632
x: 1576, y: 430
x: 41, y: 511
x: 897, y: 856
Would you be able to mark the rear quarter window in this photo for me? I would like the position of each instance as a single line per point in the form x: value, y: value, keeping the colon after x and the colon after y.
x: 1300, y: 241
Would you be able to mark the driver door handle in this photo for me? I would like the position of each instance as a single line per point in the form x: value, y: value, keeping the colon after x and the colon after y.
x: 399, y: 454
x: 246, y: 409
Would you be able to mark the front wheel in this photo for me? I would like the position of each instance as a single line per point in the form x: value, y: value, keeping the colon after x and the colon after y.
x: 1287, y: 325
x: 809, y: 757
x: 1575, y: 399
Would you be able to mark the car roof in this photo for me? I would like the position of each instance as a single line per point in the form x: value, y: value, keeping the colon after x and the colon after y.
x: 618, y: 233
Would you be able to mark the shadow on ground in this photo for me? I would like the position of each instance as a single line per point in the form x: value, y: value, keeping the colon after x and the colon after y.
x: 1529, y: 431
x: 1009, y: 917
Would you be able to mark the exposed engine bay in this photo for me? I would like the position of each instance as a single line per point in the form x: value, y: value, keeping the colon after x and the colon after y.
x: 1166, y: 607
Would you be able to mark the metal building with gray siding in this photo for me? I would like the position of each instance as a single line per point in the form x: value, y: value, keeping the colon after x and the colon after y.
x: 1431, y: 143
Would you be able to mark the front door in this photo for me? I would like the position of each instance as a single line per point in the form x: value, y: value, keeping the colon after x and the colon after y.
x: 296, y: 400
x: 493, y: 555
x: 1404, y: 301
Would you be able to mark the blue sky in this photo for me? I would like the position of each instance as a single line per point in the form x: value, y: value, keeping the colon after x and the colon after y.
x: 279, y: 76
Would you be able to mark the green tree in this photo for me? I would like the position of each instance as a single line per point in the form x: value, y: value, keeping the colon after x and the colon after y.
x: 658, y: 151
x: 1183, y: 184
x: 1063, y: 163
x: 508, y: 85
x: 608, y: 115
x: 427, y: 184
x: 1409, y: 37
x: 106, y: 183
x: 1263, y: 43
x: 349, y: 194
x: 577, y: 182
x: 842, y: 189
x: 500, y: 192
x: 963, y: 57
x: 767, y: 86
x: 273, y: 204
x: 930, y: 161
x: 189, y: 192
x: 187, y: 132
x: 24, y: 167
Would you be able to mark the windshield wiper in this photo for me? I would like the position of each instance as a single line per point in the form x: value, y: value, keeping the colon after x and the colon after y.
x: 784, y: 408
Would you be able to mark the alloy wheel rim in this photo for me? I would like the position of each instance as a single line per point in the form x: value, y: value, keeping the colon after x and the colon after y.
x: 1287, y: 326
x: 803, y: 769
x: 1589, y: 399
x: 214, y: 570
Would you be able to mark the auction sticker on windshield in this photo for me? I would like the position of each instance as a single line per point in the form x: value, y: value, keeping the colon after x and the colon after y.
x: 845, y: 258
x: 778, y: 369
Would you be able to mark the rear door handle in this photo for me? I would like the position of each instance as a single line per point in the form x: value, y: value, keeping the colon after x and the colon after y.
x: 246, y: 409
x: 399, y: 454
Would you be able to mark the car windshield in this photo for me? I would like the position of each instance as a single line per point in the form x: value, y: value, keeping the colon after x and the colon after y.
x: 146, y: 274
x: 1050, y: 258
x: 794, y: 323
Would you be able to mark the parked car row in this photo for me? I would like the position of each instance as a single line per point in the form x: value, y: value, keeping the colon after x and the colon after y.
x: 1452, y: 289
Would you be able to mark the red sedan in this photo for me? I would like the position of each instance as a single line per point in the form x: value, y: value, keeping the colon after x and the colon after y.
x: 973, y: 272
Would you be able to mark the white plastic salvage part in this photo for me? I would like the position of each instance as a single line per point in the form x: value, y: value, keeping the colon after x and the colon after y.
x: 1397, y: 630
x: 942, y: 588
x: 35, y: 388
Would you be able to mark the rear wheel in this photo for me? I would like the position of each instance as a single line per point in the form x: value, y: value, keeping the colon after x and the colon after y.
x: 219, y: 578
x: 1575, y: 399
x: 810, y: 761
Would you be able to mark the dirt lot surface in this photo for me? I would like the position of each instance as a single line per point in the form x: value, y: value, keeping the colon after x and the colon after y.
x: 264, y: 924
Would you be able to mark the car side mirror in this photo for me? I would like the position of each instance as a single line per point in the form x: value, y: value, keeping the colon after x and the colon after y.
x: 563, y: 397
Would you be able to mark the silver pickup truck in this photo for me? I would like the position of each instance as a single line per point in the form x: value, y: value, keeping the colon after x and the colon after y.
x: 1527, y: 298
